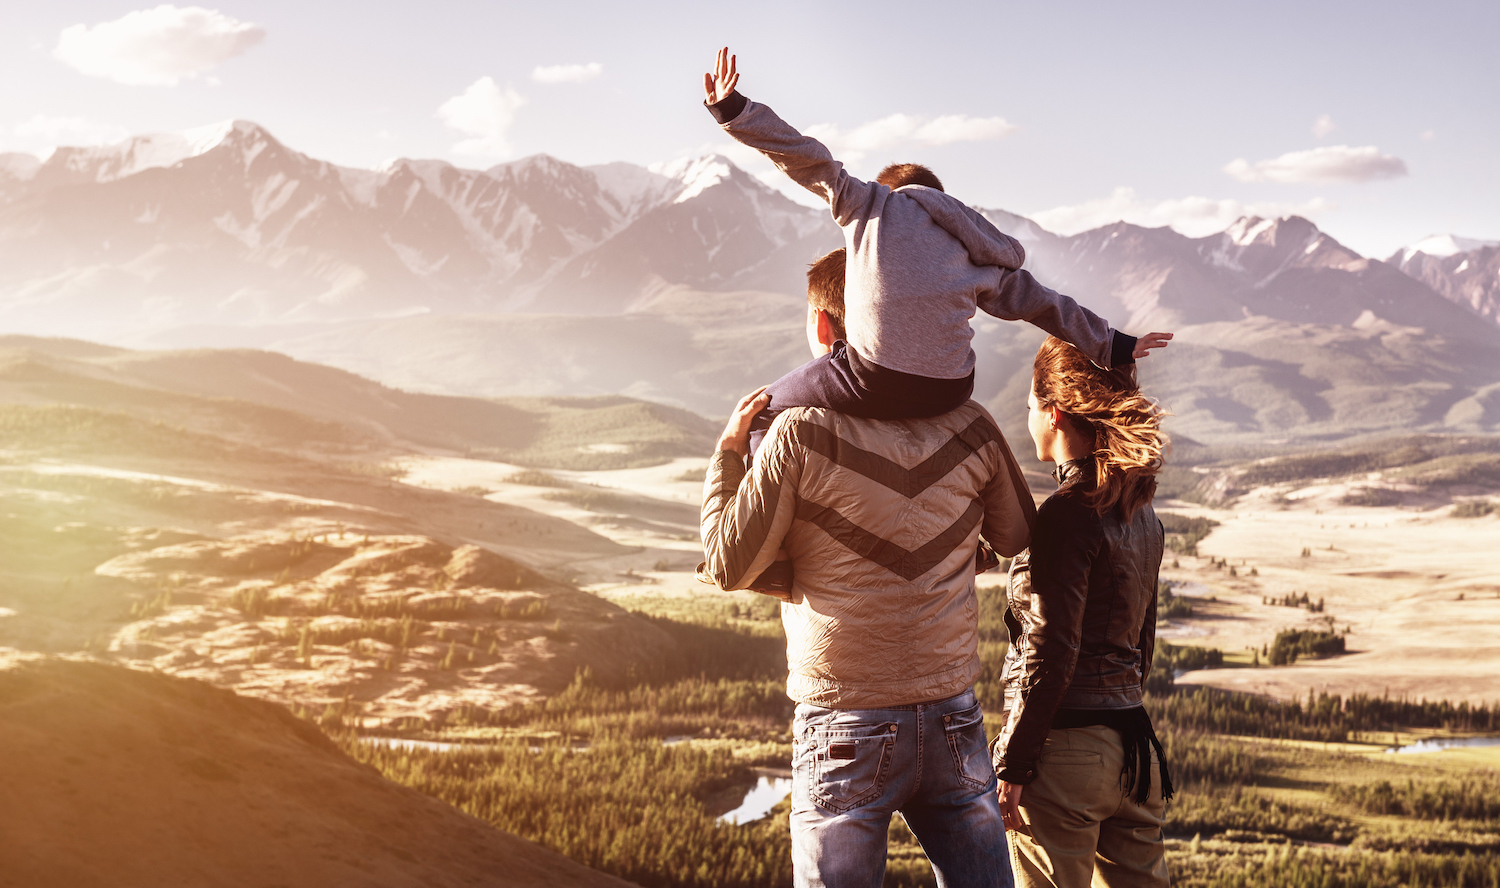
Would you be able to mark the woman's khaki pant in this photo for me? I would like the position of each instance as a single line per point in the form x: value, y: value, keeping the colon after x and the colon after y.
x: 1081, y: 825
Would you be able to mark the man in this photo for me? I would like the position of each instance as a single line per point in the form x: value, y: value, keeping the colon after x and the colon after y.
x: 880, y: 519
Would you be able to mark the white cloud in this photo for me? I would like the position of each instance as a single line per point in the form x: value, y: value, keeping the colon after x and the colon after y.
x: 902, y: 131
x: 566, y: 73
x: 1428, y: 136
x: 1333, y: 163
x: 156, y: 47
x: 484, y: 111
x: 960, y: 128
x: 1192, y: 216
x: 1323, y: 126
x: 41, y: 133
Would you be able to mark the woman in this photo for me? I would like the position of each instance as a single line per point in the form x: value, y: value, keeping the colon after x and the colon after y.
x: 1083, y: 784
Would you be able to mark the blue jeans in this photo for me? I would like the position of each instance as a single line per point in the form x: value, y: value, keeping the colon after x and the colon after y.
x: 853, y: 768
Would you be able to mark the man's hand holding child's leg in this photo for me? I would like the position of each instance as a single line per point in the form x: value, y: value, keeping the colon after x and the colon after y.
x: 736, y: 436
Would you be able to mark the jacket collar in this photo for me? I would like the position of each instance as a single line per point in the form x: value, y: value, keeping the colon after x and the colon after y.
x: 1073, y: 471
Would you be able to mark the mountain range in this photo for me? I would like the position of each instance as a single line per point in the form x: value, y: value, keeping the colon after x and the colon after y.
x: 682, y: 283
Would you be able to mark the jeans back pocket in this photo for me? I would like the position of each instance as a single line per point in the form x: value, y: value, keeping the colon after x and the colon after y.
x: 964, y: 731
x: 849, y: 764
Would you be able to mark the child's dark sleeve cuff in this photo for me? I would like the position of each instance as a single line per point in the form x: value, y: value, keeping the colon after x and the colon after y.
x: 1122, y: 349
x: 729, y: 108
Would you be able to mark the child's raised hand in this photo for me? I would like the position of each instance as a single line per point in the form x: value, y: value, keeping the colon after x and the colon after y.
x: 718, y: 85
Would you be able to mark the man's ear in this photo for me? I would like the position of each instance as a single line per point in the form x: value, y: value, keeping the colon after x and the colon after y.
x: 826, y: 335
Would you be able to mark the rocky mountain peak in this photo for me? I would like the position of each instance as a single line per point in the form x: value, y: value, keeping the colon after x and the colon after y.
x: 1465, y: 270
x: 1440, y: 246
x: 1268, y: 247
x: 108, y: 163
x: 698, y: 174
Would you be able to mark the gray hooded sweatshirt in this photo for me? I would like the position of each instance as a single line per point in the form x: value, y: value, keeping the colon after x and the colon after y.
x: 919, y: 262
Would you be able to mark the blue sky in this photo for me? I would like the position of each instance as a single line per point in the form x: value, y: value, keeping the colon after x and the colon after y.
x: 1380, y: 121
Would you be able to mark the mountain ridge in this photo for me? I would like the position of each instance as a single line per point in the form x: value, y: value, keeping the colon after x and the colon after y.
x: 224, y: 224
x: 682, y: 283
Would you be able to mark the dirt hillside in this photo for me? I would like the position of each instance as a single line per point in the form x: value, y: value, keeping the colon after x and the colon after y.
x: 124, y: 778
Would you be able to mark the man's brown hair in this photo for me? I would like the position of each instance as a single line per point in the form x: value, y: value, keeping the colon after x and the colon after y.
x: 825, y: 287
x: 899, y: 174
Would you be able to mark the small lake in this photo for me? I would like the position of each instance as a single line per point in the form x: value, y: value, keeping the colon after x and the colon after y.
x: 765, y: 795
x: 1438, y: 744
x: 402, y: 743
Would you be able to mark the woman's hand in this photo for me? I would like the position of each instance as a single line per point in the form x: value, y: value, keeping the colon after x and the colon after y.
x: 736, y: 436
x: 1010, y: 804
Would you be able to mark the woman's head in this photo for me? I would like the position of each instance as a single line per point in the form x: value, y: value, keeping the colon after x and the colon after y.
x: 1118, y: 428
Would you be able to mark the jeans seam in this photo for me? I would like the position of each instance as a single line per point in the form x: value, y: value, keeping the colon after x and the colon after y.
x: 921, y: 720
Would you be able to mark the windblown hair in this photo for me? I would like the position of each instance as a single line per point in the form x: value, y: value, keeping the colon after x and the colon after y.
x: 899, y: 174
x: 825, y: 287
x: 1129, y: 445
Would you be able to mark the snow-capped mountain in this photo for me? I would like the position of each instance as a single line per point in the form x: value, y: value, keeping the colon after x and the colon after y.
x: 684, y: 283
x: 1465, y: 270
x: 719, y: 229
x: 225, y: 225
x: 1285, y: 269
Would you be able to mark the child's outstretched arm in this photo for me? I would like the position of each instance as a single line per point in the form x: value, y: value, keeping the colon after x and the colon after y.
x: 1018, y: 296
x: 806, y: 160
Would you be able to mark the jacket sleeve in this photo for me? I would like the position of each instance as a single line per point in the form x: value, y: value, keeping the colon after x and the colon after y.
x: 806, y: 160
x: 1066, y: 540
x: 1148, y: 623
x: 1018, y: 296
x: 1008, y: 509
x: 745, y: 517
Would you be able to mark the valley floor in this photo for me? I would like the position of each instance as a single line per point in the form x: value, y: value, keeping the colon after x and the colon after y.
x: 1418, y: 590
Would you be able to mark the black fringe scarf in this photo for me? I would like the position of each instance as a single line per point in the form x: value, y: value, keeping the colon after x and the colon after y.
x: 1136, y: 736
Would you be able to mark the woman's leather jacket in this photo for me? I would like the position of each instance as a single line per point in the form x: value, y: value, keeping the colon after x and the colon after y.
x: 1082, y: 617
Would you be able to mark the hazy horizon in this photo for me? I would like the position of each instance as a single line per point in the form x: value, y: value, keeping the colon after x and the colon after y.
x: 1365, y: 121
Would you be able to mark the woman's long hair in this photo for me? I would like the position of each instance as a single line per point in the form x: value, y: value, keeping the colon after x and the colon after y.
x: 1129, y: 445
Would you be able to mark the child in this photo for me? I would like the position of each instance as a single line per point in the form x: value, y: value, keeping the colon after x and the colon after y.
x: 919, y: 263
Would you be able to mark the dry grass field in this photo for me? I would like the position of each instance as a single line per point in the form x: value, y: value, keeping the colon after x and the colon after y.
x: 1418, y: 590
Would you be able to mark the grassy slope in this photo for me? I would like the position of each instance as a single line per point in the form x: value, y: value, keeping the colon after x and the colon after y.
x: 275, y: 401
x: 133, y: 779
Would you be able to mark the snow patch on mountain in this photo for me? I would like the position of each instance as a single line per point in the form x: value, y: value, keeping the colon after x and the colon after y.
x: 1442, y: 246
x: 1246, y: 230
x: 696, y: 174
x: 108, y: 163
x: 249, y: 235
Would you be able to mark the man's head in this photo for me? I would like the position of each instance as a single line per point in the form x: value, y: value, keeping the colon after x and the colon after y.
x: 825, y: 302
x: 899, y: 174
